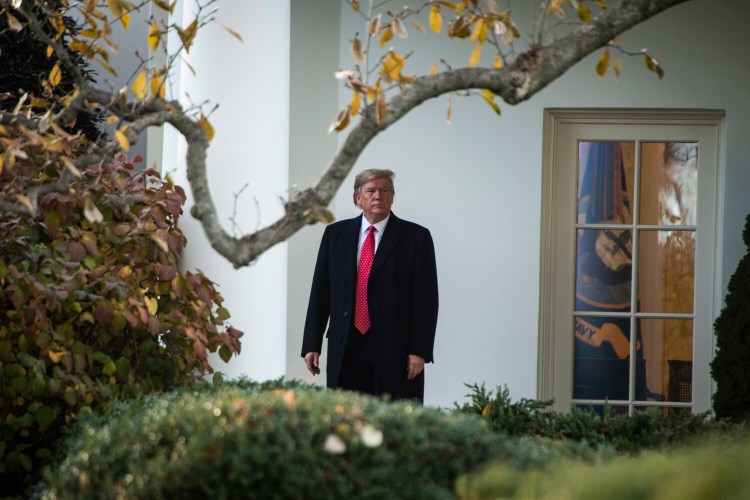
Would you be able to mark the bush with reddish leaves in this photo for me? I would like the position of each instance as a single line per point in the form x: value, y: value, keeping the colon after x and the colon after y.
x: 93, y: 306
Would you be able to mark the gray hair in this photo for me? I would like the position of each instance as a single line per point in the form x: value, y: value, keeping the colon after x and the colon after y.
x: 366, y: 176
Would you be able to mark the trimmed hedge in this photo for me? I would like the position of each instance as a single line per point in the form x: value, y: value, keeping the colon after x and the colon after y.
x: 253, y: 441
x: 708, y: 471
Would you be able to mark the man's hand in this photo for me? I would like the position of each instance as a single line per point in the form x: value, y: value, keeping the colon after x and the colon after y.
x: 415, y: 365
x: 311, y: 360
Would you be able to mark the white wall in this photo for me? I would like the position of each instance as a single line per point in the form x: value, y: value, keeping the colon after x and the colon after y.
x: 476, y: 182
x: 250, y: 81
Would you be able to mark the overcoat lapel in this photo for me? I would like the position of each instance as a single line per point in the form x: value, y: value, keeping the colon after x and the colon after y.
x: 391, y: 236
x: 349, y: 252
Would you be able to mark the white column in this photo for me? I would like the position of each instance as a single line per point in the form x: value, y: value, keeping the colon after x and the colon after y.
x: 250, y: 82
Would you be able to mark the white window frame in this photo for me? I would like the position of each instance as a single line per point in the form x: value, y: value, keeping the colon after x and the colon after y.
x: 557, y: 266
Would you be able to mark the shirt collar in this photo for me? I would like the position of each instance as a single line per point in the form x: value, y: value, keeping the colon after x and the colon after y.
x: 380, y: 226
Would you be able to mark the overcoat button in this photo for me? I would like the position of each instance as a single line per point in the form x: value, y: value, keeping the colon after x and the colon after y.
x: 346, y: 313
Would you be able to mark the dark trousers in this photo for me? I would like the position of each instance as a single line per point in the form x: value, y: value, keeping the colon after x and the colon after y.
x: 358, y: 368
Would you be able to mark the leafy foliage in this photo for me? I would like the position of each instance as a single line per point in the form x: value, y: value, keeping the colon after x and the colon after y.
x: 710, y: 470
x: 731, y: 365
x: 243, y: 440
x: 93, y: 304
x: 642, y: 430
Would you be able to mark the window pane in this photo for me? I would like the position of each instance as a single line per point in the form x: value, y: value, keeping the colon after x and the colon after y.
x: 668, y: 351
x: 601, y: 410
x: 602, y: 358
x: 603, y: 270
x: 666, y: 271
x: 664, y: 411
x: 669, y: 183
x: 605, y: 182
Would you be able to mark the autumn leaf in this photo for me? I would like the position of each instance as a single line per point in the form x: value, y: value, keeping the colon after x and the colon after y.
x: 158, y: 88
x: 116, y: 7
x: 474, y: 59
x: 498, y: 62
x: 433, y: 70
x: 355, y: 104
x: 24, y: 200
x: 374, y: 26
x: 583, y: 12
x: 153, y: 35
x: 208, y: 129
x: 398, y: 27
x: 603, y: 66
x: 166, y: 5
x: 55, y: 75
x: 152, y: 305
x: 436, y: 19
x: 480, y: 32
x: 489, y: 97
x: 418, y: 26
x: 487, y: 410
x: 320, y: 214
x: 357, y: 54
x: 341, y: 121
x: 381, y: 108
x: 140, y: 85
x: 188, y: 34
x: 448, y: 110
x: 122, y: 139
x: 617, y: 67
x: 387, y: 35
x: 92, y: 214
x: 653, y: 65
x: 554, y: 6
x: 601, y: 4
x: 234, y: 33
x: 13, y: 23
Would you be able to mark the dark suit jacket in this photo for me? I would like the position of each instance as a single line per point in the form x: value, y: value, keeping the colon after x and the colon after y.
x: 403, y: 301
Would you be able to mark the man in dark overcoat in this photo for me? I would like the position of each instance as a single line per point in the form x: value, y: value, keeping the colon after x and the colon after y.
x: 376, y: 301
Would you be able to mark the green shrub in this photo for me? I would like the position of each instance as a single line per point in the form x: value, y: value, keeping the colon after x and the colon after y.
x: 731, y: 365
x: 642, y: 430
x: 243, y: 441
x: 93, y: 304
x: 707, y: 471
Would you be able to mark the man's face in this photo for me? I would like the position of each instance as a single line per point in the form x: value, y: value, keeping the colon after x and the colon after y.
x: 376, y: 197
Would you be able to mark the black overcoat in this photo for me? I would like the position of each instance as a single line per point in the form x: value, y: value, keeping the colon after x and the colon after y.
x: 402, y: 300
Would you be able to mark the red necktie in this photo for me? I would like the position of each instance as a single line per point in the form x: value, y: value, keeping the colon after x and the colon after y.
x: 361, y: 312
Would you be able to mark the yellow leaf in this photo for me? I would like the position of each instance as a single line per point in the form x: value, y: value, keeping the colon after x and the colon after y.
x: 617, y: 68
x: 188, y: 35
x: 653, y: 65
x: 436, y: 19
x: 116, y: 7
x: 603, y: 66
x: 208, y: 129
x: 125, y: 272
x: 601, y: 4
x: 71, y: 167
x: 498, y: 62
x: 480, y: 32
x: 125, y: 19
x: 107, y: 67
x: 554, y: 6
x: 166, y: 6
x: 418, y: 26
x: 387, y: 35
x: 448, y: 110
x: 158, y: 87
x: 355, y: 4
x: 122, y: 139
x: 152, y: 305
x: 140, y: 87
x: 92, y: 214
x: 50, y: 51
x: 233, y: 33
x: 433, y: 70
x: 474, y: 59
x: 489, y: 98
x: 55, y: 75
x: 111, y: 119
x: 341, y: 121
x: 354, y: 105
x: 153, y: 36
x: 583, y: 12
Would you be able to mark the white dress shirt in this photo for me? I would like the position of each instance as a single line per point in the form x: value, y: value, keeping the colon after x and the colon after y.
x: 379, y: 229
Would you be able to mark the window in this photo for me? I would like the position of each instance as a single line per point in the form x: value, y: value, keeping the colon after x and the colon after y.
x: 628, y: 288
